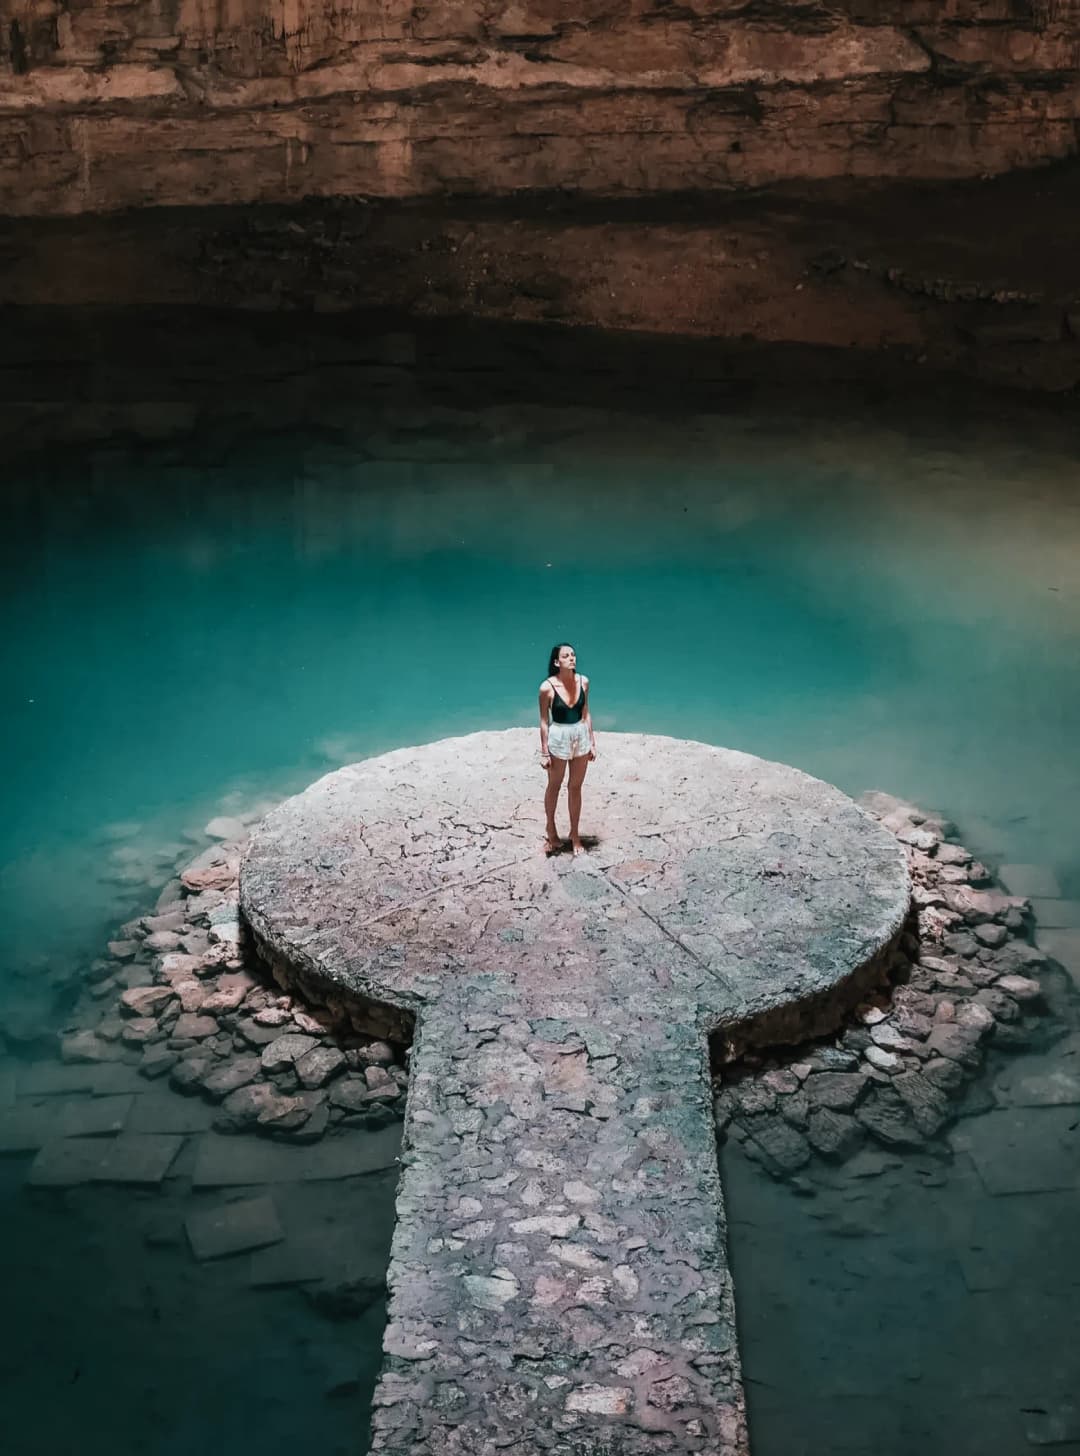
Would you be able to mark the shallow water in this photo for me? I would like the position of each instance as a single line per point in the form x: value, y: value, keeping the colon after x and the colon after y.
x: 879, y: 602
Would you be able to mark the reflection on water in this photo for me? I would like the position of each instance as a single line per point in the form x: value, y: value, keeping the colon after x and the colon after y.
x: 878, y: 605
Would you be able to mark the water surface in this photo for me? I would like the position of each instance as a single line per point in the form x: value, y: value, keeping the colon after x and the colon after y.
x: 880, y: 601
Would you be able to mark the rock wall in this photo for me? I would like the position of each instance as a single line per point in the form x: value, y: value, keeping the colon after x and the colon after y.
x: 108, y: 104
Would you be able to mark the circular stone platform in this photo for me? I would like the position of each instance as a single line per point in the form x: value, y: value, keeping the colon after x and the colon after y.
x: 559, y: 1277
x: 743, y: 886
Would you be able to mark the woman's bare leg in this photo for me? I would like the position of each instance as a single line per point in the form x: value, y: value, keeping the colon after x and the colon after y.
x: 556, y: 773
x: 573, y: 794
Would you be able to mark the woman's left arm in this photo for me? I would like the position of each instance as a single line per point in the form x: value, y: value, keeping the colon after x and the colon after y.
x: 586, y: 718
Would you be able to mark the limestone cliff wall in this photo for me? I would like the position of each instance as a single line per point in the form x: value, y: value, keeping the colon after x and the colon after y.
x: 109, y: 104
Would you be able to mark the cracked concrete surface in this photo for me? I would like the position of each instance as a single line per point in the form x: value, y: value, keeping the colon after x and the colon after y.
x: 558, y: 1277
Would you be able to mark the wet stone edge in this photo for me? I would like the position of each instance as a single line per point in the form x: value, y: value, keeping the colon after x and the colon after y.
x: 963, y: 976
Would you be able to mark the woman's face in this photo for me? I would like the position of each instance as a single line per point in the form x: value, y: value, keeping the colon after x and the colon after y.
x: 567, y: 658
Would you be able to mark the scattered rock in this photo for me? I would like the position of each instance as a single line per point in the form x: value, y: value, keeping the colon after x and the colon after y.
x: 141, y: 1029
x: 230, y: 992
x: 84, y: 1046
x: 224, y: 827
x: 1021, y: 988
x: 925, y: 1099
x: 241, y: 1109
x: 157, y: 1060
x: 957, y: 1043
x: 319, y: 1066
x: 886, y: 1117
x: 194, y: 1027
x: 834, y: 1134
x: 778, y: 1145
x: 837, y: 1091
x: 375, y: 1053
x: 883, y: 1060
x: 285, y: 1051
x: 162, y: 941
x: 991, y: 935
x: 142, y: 1001
x: 258, y: 1033
x: 234, y: 1073
x: 213, y: 877
x: 187, y: 1075
x: 272, y: 1016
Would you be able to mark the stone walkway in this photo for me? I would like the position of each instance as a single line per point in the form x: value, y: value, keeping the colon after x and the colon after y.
x: 559, y: 1279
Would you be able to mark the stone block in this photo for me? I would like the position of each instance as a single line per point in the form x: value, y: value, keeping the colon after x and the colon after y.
x: 230, y: 1075
x: 337, y: 1253
x: 166, y: 1112
x: 1050, y: 1080
x: 141, y: 1001
x: 138, y: 1158
x: 1062, y: 946
x: 156, y: 1061
x: 229, y: 993
x: 318, y: 1066
x: 223, y: 1162
x: 1029, y: 879
x: 1031, y: 1150
x: 66, y: 1163
x: 192, y: 1026
x: 838, y: 1091
x: 285, y: 1051
x: 1056, y: 914
x: 84, y: 1046
x: 233, y: 1228
x: 55, y: 1079
x: 24, y: 1129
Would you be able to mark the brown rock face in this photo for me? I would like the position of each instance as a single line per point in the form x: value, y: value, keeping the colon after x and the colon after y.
x: 106, y: 105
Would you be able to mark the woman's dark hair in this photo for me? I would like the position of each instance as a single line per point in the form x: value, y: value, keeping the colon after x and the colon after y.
x: 553, y: 658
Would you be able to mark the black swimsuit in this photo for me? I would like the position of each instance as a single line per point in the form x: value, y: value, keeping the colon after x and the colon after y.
x: 562, y: 712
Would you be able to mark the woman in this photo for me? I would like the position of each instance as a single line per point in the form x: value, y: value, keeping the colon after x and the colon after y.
x: 566, y: 737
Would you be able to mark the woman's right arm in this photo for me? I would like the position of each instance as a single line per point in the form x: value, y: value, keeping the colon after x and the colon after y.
x: 546, y: 692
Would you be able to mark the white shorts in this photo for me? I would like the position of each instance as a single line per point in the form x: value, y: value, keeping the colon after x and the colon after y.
x: 568, y: 740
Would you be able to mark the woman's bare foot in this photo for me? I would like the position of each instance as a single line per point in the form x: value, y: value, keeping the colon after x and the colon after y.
x: 577, y: 846
x: 552, y: 842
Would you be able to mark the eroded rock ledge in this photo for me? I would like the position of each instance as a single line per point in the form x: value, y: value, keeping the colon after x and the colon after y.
x: 106, y: 106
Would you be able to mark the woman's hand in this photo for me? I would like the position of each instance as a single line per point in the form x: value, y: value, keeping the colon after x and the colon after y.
x: 592, y: 753
x: 545, y: 760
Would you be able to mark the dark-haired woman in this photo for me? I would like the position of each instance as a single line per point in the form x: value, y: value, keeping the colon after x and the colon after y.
x: 566, y: 738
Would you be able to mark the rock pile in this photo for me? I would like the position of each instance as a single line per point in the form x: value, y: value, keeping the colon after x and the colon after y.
x: 962, y: 977
x: 191, y: 1005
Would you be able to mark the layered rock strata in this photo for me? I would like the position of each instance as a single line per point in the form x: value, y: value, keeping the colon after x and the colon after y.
x: 107, y: 106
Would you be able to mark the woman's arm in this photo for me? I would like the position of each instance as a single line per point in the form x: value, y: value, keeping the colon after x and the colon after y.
x: 547, y: 692
x: 586, y: 717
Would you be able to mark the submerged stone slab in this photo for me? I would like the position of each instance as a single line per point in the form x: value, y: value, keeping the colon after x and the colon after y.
x: 30, y: 1124
x: 223, y: 1162
x: 59, y: 1079
x: 166, y: 1112
x: 1029, y: 1150
x: 233, y: 1228
x: 138, y: 1159
x: 558, y: 1270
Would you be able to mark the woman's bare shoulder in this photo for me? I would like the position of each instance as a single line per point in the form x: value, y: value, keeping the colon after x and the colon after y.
x: 584, y: 682
x: 547, y: 686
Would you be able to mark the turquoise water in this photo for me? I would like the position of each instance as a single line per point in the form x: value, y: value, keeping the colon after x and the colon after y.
x: 882, y: 603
